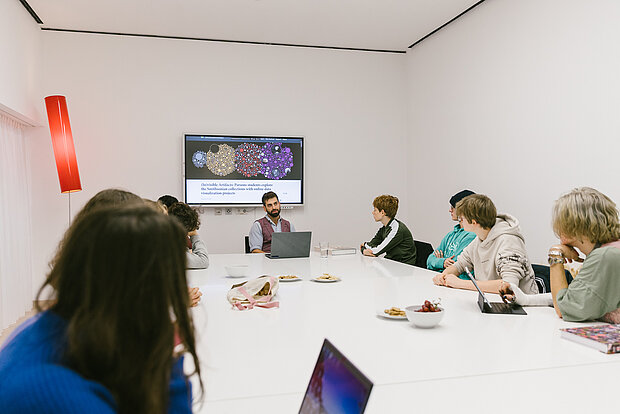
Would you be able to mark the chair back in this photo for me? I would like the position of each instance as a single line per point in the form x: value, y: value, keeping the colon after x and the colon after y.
x: 543, y: 279
x: 423, y: 249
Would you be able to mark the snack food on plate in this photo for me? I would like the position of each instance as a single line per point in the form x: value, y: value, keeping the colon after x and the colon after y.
x: 287, y: 277
x: 327, y: 276
x: 394, y: 311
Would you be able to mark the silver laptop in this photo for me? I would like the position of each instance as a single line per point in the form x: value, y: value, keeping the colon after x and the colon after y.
x: 495, y: 307
x: 285, y: 245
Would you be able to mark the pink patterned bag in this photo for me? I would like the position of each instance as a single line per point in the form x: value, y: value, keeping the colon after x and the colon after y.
x: 257, y: 292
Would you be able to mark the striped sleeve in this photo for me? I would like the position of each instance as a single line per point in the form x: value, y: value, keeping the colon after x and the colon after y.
x: 391, y: 237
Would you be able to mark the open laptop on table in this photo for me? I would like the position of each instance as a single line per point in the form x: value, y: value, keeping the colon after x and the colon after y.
x: 336, y: 385
x: 290, y: 244
x: 495, y: 307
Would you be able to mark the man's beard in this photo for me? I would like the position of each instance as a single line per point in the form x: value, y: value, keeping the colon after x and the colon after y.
x: 274, y: 213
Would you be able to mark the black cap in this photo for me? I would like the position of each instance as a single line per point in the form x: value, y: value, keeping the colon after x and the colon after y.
x: 459, y: 196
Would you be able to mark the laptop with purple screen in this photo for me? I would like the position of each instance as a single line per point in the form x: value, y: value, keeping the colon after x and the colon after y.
x: 336, y: 385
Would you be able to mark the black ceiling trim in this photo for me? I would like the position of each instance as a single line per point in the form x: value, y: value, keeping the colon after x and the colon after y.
x: 32, y: 12
x: 244, y: 42
x: 447, y: 23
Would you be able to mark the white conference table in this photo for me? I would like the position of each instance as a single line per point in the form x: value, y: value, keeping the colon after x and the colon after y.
x: 470, y: 361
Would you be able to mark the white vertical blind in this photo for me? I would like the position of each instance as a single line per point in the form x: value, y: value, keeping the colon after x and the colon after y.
x: 15, y: 223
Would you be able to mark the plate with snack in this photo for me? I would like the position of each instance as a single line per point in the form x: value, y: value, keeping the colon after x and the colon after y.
x: 393, y: 313
x: 289, y: 278
x: 326, y: 278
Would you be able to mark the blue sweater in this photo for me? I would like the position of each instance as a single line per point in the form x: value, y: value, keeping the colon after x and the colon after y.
x: 451, y: 245
x: 33, y: 378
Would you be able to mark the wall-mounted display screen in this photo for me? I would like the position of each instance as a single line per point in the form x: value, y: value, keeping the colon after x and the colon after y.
x: 237, y: 170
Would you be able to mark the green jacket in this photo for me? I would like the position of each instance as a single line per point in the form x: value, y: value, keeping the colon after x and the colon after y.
x: 396, y: 241
x: 451, y: 245
x: 596, y: 289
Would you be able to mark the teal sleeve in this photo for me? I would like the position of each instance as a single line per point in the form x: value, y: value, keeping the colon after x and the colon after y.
x: 436, y: 263
x: 463, y: 243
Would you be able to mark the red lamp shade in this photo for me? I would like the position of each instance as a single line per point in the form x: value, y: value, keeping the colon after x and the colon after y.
x: 62, y: 141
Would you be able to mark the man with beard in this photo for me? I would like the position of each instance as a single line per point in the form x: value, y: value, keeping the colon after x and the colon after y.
x: 263, y: 228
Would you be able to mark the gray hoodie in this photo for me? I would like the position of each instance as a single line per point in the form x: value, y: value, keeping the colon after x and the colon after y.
x: 501, y: 255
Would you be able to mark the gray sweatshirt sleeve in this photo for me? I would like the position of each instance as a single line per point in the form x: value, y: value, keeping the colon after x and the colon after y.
x: 198, y: 258
x: 512, y: 265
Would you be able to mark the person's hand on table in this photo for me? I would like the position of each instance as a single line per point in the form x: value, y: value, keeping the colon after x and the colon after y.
x: 506, y: 293
x: 438, y: 254
x: 194, y: 296
x: 448, y: 262
x: 452, y: 281
x: 368, y: 252
x: 440, y: 279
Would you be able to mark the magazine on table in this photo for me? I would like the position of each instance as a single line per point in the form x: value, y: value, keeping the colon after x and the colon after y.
x: 605, y: 338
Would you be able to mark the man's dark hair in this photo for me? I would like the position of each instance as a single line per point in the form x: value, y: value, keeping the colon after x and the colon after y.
x: 269, y: 195
x: 186, y: 215
x: 167, y: 200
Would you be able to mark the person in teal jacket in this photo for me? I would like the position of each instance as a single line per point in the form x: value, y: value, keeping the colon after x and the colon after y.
x: 453, y: 243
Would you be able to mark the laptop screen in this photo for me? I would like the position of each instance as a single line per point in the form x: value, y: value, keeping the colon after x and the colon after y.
x: 336, y: 385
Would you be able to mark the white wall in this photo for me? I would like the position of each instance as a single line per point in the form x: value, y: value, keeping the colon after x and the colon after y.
x: 20, y: 97
x: 131, y: 99
x: 20, y: 61
x: 518, y: 100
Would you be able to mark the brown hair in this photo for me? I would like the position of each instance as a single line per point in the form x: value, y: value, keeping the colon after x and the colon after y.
x: 586, y: 212
x: 186, y: 215
x: 156, y: 205
x: 110, y: 197
x: 121, y: 287
x: 387, y: 203
x: 477, y: 207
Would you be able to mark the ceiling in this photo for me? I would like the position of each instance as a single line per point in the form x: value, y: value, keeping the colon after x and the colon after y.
x: 361, y: 24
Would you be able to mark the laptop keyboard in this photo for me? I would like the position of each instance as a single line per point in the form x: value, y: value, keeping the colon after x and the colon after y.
x: 501, y: 307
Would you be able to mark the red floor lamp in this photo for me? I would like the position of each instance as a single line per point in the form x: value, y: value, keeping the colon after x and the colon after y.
x: 62, y: 142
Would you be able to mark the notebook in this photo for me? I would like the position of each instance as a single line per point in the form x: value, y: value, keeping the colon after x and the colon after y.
x: 290, y: 244
x: 336, y: 385
x: 605, y: 338
x: 495, y: 307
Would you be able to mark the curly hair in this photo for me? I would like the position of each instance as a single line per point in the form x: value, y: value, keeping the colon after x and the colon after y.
x: 586, y: 212
x: 186, y: 215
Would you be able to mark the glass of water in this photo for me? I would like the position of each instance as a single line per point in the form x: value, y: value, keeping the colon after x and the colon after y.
x: 324, y: 247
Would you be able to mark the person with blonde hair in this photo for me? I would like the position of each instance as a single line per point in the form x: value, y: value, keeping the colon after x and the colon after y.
x: 587, y: 220
x: 393, y: 238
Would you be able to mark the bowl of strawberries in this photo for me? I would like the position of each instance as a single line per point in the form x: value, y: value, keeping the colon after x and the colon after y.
x: 427, y: 315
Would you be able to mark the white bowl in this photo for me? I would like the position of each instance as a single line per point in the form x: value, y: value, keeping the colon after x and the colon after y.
x: 237, y: 270
x: 423, y: 319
